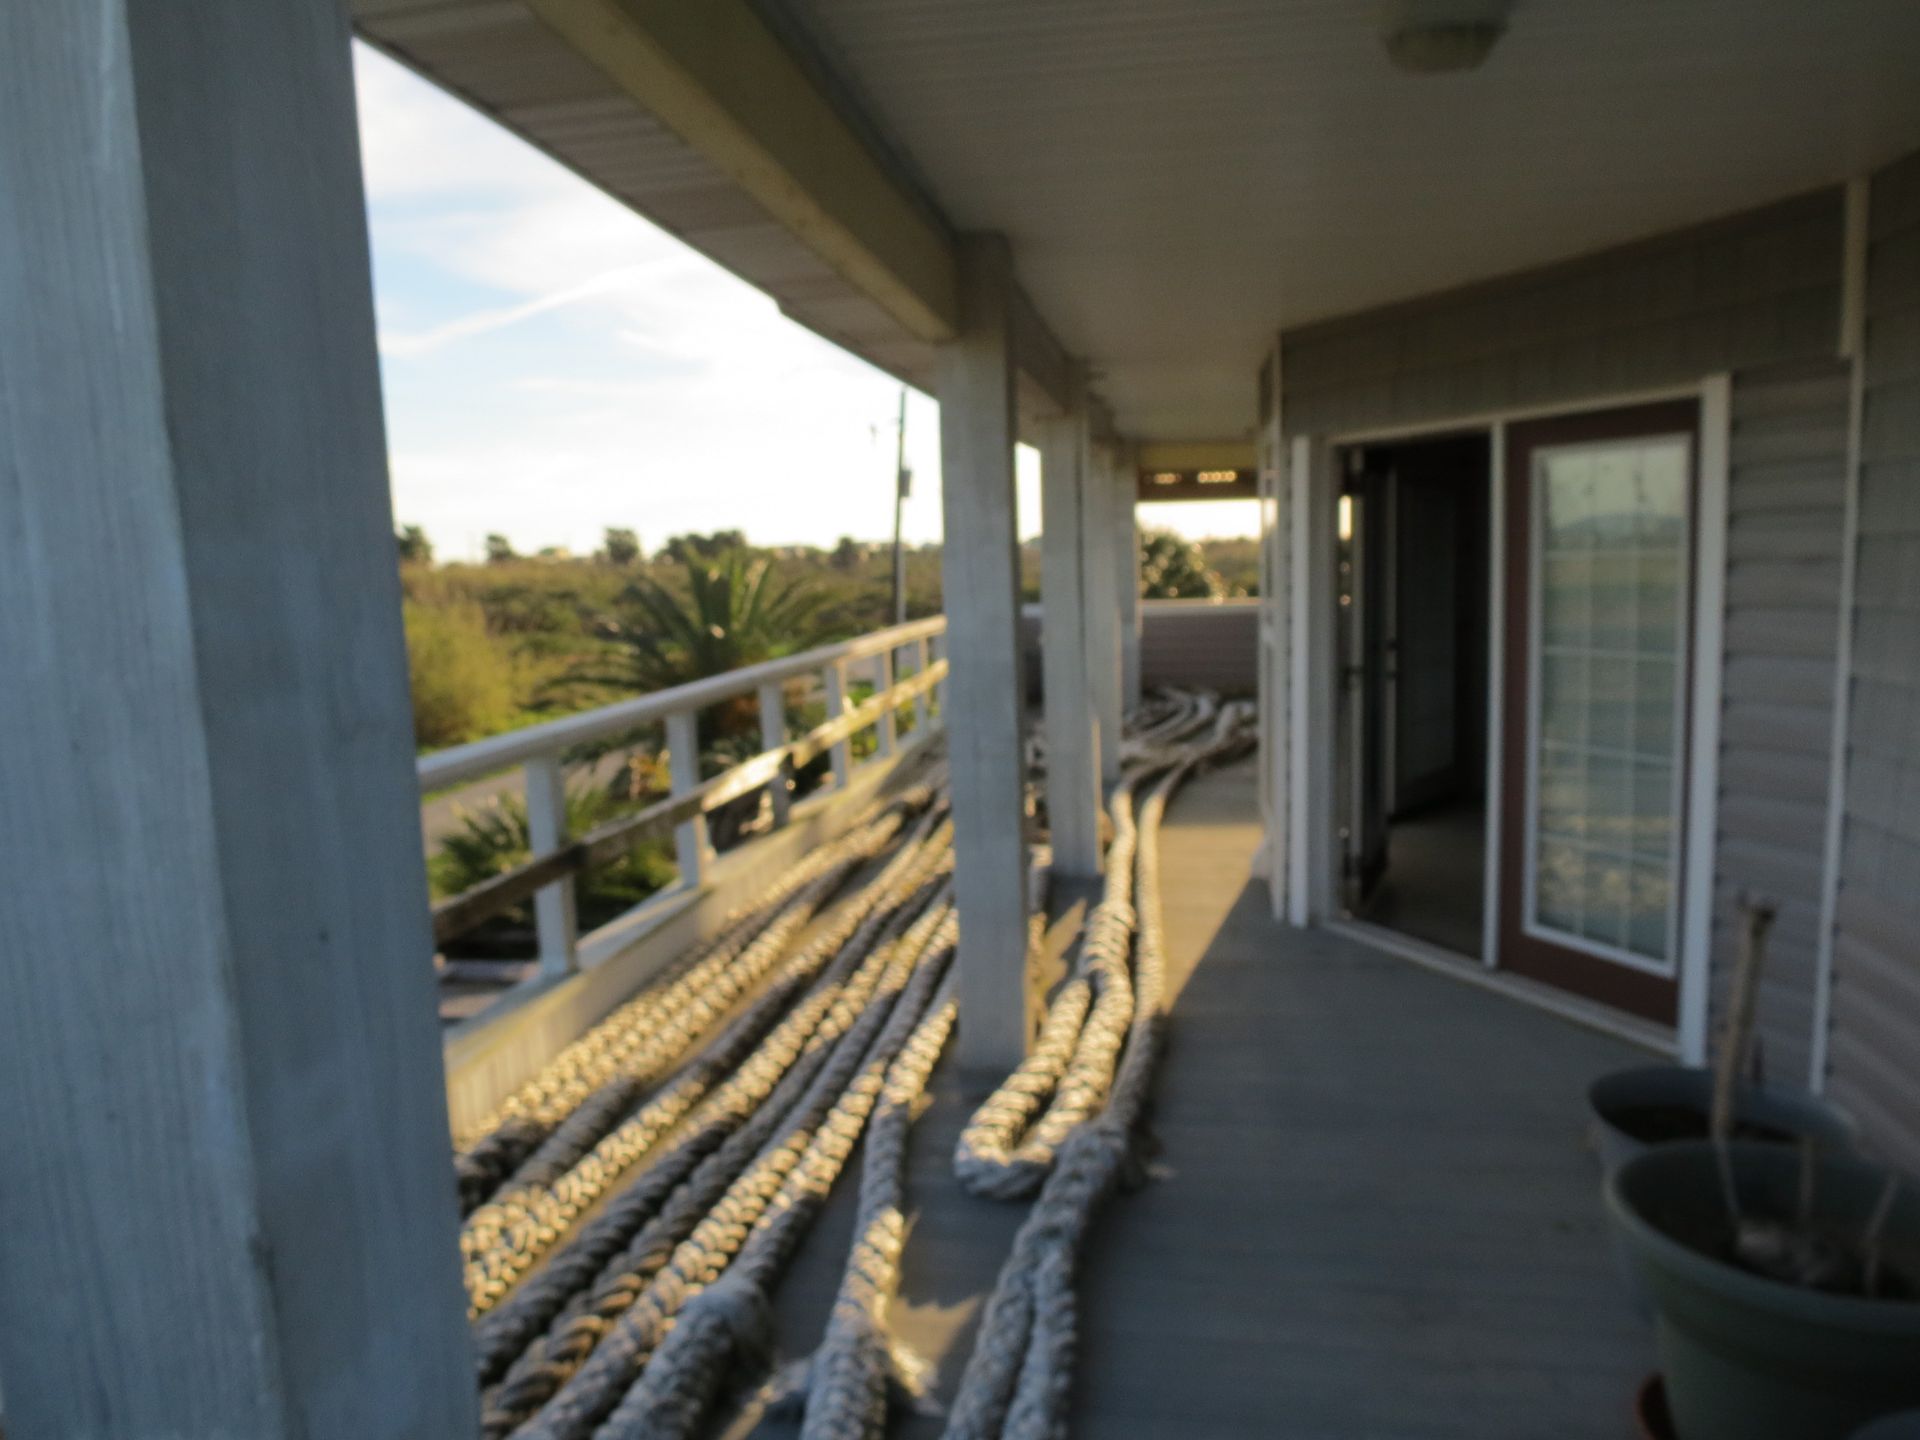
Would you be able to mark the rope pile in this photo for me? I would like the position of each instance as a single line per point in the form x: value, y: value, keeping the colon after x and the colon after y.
x: 632, y: 1047
x: 1075, y: 1153
x: 1017, y: 1381
x: 631, y: 1209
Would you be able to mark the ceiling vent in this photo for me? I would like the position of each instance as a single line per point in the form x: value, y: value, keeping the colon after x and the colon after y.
x: 1438, y: 37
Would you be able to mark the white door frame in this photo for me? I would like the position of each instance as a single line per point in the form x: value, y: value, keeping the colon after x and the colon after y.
x: 1314, y: 857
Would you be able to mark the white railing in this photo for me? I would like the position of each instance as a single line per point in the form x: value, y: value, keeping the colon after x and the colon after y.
x: 559, y: 858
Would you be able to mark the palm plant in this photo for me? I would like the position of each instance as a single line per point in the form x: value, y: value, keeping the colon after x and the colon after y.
x: 496, y: 837
x: 733, y: 612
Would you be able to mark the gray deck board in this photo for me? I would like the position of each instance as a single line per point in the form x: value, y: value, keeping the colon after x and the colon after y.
x: 1375, y: 1217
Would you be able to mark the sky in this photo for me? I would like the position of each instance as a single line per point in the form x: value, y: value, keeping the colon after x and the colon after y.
x: 553, y: 364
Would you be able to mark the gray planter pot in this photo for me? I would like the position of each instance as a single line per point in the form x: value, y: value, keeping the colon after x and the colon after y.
x: 1793, y: 1113
x: 1745, y: 1356
x: 1684, y: 1087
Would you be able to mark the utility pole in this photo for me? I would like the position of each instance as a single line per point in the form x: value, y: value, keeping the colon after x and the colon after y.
x: 902, y: 485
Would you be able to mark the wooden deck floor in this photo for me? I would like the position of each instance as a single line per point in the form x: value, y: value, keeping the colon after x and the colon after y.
x: 1377, y: 1219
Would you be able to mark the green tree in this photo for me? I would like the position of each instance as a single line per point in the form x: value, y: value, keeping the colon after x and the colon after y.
x: 622, y: 546
x: 495, y: 837
x: 499, y: 550
x: 691, y: 548
x: 1175, y: 569
x: 415, y: 548
x: 848, y: 554
x: 728, y: 613
x: 462, y: 682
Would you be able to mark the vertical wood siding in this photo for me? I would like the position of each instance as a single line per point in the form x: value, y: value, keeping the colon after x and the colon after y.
x: 1874, y: 1055
x: 1786, y: 498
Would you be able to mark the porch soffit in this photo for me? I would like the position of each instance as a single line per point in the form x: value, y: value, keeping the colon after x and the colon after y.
x: 1179, y: 180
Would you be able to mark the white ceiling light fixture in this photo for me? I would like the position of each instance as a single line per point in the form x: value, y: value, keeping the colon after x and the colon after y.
x: 1438, y: 37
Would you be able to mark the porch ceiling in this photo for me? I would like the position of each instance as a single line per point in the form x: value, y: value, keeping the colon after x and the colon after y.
x: 1180, y: 177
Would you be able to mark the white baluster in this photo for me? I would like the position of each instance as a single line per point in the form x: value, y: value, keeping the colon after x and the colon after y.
x: 555, y: 910
x: 683, y: 770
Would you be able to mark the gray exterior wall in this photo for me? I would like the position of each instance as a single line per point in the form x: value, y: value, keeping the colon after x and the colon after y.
x: 1874, y: 1059
x: 1756, y: 295
x: 1752, y: 290
x: 1190, y: 643
x: 1786, y: 502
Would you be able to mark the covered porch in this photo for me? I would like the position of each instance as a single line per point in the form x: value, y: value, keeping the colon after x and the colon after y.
x: 1268, y: 242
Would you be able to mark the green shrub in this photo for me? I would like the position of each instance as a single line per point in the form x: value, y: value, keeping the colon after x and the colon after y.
x: 494, y: 838
x: 463, y: 682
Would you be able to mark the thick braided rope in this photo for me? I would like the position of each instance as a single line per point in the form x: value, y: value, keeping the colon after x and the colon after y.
x: 503, y: 1239
x: 624, y: 1343
x: 596, y: 1276
x: 742, y: 1101
x: 1004, y: 1152
x: 557, y: 1087
x: 622, y: 1277
x: 722, y: 1333
x: 641, y: 1034
x: 1017, y: 1381
x: 844, y: 1386
x: 601, y: 1111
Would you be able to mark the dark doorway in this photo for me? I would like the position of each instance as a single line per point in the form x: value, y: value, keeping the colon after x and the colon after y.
x: 1413, y: 573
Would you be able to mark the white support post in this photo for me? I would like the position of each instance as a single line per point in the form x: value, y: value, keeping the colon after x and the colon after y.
x: 1126, y: 541
x: 841, y: 752
x: 1102, y: 633
x: 885, y: 728
x: 982, y: 709
x: 555, y: 915
x: 922, y: 658
x: 1067, y: 710
x: 229, y: 1208
x: 773, y: 734
x: 683, y: 775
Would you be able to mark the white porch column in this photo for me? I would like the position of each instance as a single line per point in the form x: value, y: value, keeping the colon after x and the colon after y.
x: 980, y: 571
x: 230, y: 1209
x: 1073, y: 743
x: 1126, y: 544
x: 1102, y: 578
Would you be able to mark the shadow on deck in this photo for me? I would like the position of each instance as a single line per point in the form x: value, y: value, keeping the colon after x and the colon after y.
x: 1377, y: 1217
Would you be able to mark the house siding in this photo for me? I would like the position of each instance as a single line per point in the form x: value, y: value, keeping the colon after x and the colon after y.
x: 1194, y: 644
x: 1874, y: 1043
x: 1757, y: 296
x: 1753, y: 290
x: 1786, y: 502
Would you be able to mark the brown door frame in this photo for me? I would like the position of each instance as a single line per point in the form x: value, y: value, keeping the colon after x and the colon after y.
x: 1638, y: 992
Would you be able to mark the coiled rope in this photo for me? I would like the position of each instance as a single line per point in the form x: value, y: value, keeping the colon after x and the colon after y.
x: 632, y: 1218
x: 635, y: 1239
x: 1017, y: 1381
x: 504, y: 1238
x: 640, y: 1306
x: 649, y: 1033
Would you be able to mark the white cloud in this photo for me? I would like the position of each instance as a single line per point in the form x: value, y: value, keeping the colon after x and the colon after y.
x: 555, y: 364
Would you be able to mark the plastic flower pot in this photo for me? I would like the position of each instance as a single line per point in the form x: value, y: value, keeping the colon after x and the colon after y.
x: 1633, y: 1110
x: 1743, y: 1355
x: 1904, y: 1426
x: 1652, y: 1104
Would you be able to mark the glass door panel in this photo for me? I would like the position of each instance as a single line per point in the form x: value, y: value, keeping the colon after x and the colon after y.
x: 1610, y: 532
x: 1599, y: 539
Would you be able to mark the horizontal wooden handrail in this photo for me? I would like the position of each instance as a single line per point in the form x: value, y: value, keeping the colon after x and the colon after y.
x: 497, y: 752
x: 458, y: 914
